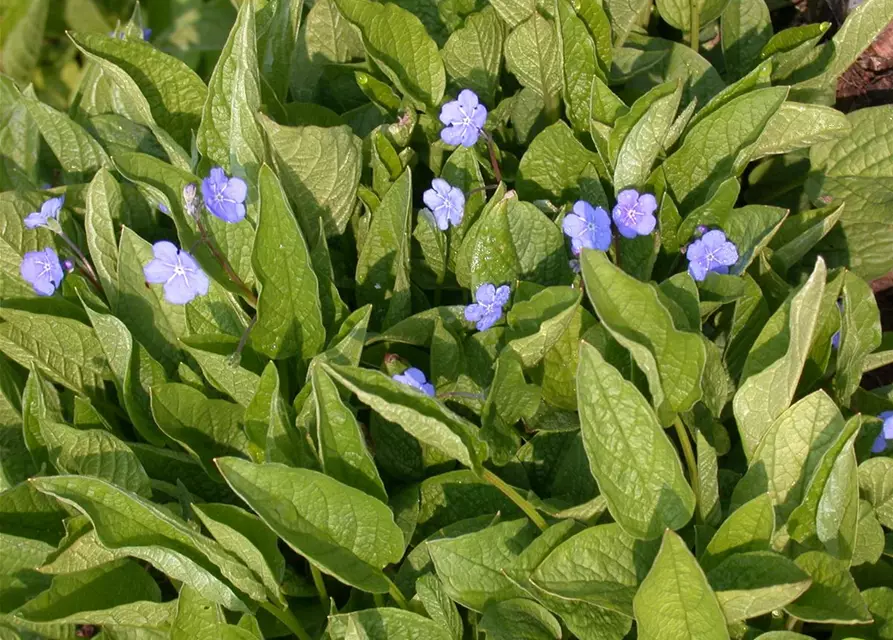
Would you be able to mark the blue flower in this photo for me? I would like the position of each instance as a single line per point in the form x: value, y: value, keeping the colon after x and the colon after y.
x: 416, y: 379
x: 464, y: 117
x: 224, y: 196
x: 178, y: 271
x: 48, y: 210
x: 711, y: 252
x: 588, y: 227
x: 488, y: 305
x: 147, y: 33
x: 886, y: 433
x: 634, y: 213
x: 446, y: 202
x: 41, y: 269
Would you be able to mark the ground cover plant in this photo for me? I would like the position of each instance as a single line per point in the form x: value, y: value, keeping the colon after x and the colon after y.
x: 441, y: 320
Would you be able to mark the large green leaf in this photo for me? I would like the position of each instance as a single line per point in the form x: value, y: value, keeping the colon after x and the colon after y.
x: 519, y: 618
x: 552, y: 164
x: 833, y: 595
x: 675, y: 601
x: 218, y: 367
x: 384, y: 623
x: 746, y: 28
x: 775, y: 362
x: 64, y: 350
x: 398, y: 42
x: 876, y: 485
x: 673, y: 360
x: 749, y: 528
x: 135, y: 527
x: 860, y: 334
x: 633, y: 461
x: 289, y: 318
x: 438, y: 604
x: 23, y: 29
x: 473, y: 54
x: 532, y: 54
x: 798, y: 126
x: 19, y: 138
x: 341, y: 530
x: 104, y: 205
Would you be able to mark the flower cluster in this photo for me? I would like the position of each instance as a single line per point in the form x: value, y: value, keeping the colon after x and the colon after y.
x: 488, y: 304
x: 589, y: 227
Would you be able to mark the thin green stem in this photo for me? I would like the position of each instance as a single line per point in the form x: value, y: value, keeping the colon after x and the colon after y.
x: 694, y: 33
x: 209, y: 242
x: 689, y: 455
x: 794, y: 624
x: 510, y: 493
x: 446, y: 265
x: 287, y: 618
x: 82, y: 260
x: 397, y: 595
x: 320, y: 586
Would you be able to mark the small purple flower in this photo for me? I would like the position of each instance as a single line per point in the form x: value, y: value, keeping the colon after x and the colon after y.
x: 224, y: 196
x: 488, y: 305
x: 446, y: 202
x: 68, y: 265
x: 48, y: 210
x: 178, y: 271
x: 712, y: 252
x: 41, y: 269
x: 163, y: 209
x: 634, y: 213
x: 415, y: 379
x: 574, y: 264
x: 886, y: 433
x: 464, y: 117
x: 147, y: 33
x: 588, y: 227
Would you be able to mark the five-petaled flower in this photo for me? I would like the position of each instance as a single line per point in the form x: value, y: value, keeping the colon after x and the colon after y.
x: 588, y: 227
x: 446, y: 202
x: 42, y: 270
x: 711, y: 252
x: 225, y: 196
x: 465, y: 118
x: 48, y: 210
x: 178, y: 271
x: 886, y: 433
x: 634, y: 213
x: 487, y: 308
x: 416, y: 379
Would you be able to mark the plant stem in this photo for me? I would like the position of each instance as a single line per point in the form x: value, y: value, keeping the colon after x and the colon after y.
x: 320, y: 585
x: 510, y: 493
x: 236, y: 356
x: 689, y: 455
x: 209, y: 242
x: 397, y: 595
x: 446, y: 265
x: 82, y: 260
x: 794, y: 624
x: 694, y: 33
x: 287, y: 618
x: 497, y: 172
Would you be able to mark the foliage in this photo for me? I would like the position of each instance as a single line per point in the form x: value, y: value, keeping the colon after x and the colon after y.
x: 365, y: 320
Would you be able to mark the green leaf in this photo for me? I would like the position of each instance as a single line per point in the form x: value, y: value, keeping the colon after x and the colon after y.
x: 709, y: 153
x: 229, y: 135
x: 800, y: 233
x: 66, y: 351
x: 639, y: 136
x: 421, y: 416
x: 678, y: 13
x: 384, y: 623
x: 749, y: 528
x: 876, y: 485
x: 19, y: 138
x: 550, y: 167
x: 559, y: 375
x: 579, y: 64
x: 325, y: 37
x: 751, y: 228
x: 399, y: 44
x: 247, y: 538
x: 798, y: 126
x: 805, y: 431
x: 134, y: 371
x: 623, y: 14
x: 320, y: 169
x: 23, y: 32
x: 76, y: 150
x: 632, y: 311
x: 342, y: 447
x: 205, y: 428
x: 143, y: 618
x: 473, y: 54
x: 746, y: 29
x: 535, y: 325
x: 277, y: 39
x: 175, y: 93
x: 639, y: 474
x: 135, y: 527
x: 833, y: 595
x: 341, y: 530
x: 472, y: 566
x: 752, y: 584
x: 27, y: 513
x: 235, y: 381
x: 104, y: 208
x: 106, y: 586
x: 675, y: 601
x: 514, y: 12
x: 860, y: 334
x: 509, y: 399
x: 602, y: 565
x: 95, y: 453
x: 438, y: 606
x: 519, y: 618
x: 868, y: 545
x: 289, y: 317
x: 532, y: 55
x: 383, y: 265
x: 776, y: 360
x: 155, y: 323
